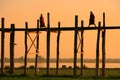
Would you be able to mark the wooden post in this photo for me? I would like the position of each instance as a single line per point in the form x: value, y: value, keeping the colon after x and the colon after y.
x: 82, y: 51
x: 97, y: 50
x: 75, y: 44
x: 12, y: 43
x: 26, y: 48
x: 2, y: 46
x: 58, y: 52
x: 48, y: 43
x: 103, y: 47
x: 37, y: 47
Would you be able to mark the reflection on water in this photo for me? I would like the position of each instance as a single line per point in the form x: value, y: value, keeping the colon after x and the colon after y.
x: 53, y: 65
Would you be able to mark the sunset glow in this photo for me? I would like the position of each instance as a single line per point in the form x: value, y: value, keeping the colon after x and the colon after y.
x: 20, y: 11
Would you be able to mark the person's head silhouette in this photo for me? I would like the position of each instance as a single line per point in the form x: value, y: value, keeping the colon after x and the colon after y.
x: 91, y: 12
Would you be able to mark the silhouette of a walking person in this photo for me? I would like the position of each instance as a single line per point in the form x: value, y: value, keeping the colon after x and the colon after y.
x: 42, y: 23
x: 92, y: 19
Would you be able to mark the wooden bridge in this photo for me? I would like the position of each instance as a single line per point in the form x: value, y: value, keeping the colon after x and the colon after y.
x: 61, y: 28
x: 76, y: 29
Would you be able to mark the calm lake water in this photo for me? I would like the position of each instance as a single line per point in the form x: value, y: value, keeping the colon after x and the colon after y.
x: 53, y: 65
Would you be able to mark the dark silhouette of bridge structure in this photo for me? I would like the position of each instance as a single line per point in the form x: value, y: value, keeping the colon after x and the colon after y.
x: 77, y: 29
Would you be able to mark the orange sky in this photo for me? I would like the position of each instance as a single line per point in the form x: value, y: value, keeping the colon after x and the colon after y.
x: 19, y: 11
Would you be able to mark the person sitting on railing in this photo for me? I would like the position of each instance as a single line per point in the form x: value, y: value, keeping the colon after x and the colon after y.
x: 42, y: 23
x: 92, y: 19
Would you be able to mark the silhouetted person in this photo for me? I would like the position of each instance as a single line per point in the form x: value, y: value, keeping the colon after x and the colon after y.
x: 42, y: 23
x: 92, y: 19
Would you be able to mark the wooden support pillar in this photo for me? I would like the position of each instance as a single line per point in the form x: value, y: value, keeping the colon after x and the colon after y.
x: 58, y: 52
x: 75, y: 44
x: 82, y: 46
x: 12, y: 44
x: 97, y: 51
x: 26, y: 48
x: 37, y: 48
x: 2, y: 46
x: 103, y: 47
x: 48, y: 43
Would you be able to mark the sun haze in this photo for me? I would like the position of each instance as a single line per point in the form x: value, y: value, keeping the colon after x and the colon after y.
x: 19, y: 11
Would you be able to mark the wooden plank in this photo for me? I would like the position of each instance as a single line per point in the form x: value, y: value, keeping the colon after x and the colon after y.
x: 12, y: 41
x: 97, y: 50
x: 75, y: 44
x: 26, y: 48
x: 82, y: 51
x: 37, y: 47
x: 48, y: 44
x: 58, y: 46
x: 103, y: 47
x: 2, y: 46
x: 63, y: 29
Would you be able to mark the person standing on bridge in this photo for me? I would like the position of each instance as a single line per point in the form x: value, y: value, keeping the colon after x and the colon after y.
x: 92, y: 19
x: 42, y: 23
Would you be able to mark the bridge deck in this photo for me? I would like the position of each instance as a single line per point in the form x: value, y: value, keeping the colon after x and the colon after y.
x: 62, y: 28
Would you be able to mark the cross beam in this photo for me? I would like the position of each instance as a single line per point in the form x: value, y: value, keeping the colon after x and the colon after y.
x: 62, y: 28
